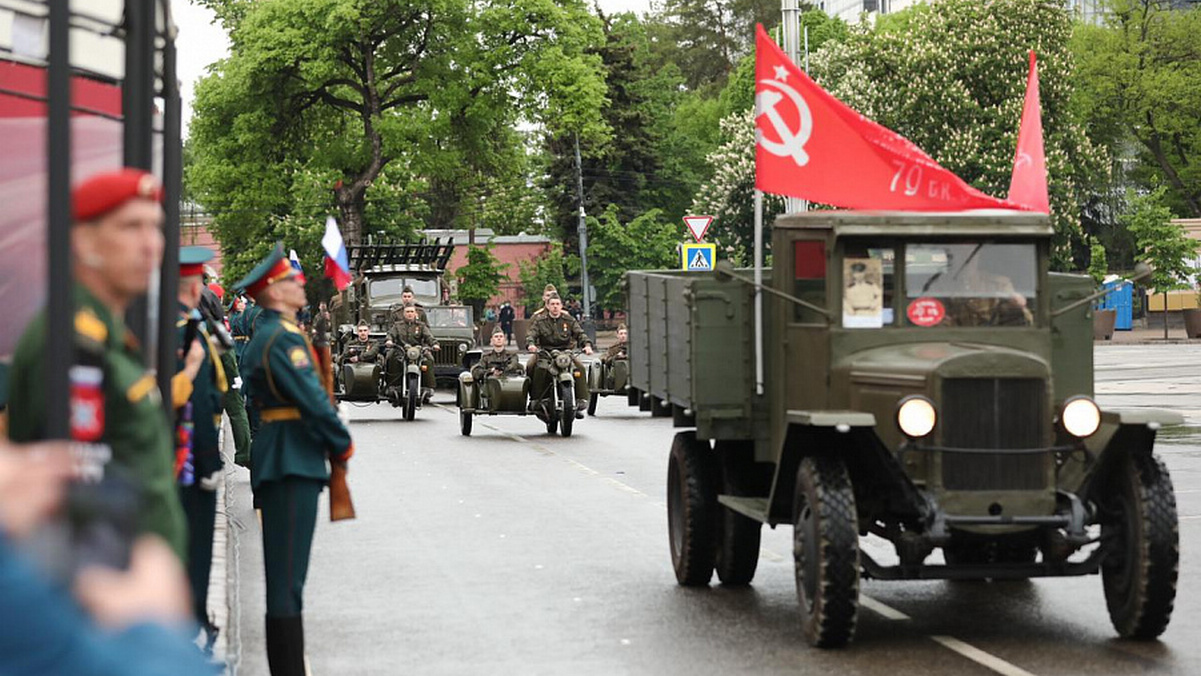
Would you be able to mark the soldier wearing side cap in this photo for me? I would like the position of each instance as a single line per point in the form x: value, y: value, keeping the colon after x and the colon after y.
x: 299, y: 431
x: 116, y: 245
x: 198, y: 433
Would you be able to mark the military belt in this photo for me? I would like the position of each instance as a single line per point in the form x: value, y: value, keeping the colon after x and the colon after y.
x: 241, y: 339
x: 280, y: 414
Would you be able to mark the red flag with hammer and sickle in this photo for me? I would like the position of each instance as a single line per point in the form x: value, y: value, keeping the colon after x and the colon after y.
x: 810, y: 145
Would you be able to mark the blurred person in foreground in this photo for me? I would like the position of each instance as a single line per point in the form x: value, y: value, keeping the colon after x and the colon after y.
x: 129, y: 623
x: 116, y: 412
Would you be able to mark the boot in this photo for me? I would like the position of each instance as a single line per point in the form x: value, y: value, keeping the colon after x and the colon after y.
x: 285, y: 645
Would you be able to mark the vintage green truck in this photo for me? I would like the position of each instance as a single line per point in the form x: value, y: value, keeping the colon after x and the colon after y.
x: 923, y: 379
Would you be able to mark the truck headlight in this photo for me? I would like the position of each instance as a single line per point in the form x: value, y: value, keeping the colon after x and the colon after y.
x: 1080, y: 417
x: 462, y: 347
x: 916, y: 416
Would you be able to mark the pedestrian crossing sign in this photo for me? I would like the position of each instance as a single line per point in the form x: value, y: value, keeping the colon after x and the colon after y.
x: 698, y: 257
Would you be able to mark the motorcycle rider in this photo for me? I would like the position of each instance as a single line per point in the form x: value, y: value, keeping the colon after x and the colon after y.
x: 410, y: 331
x: 557, y: 330
x: 496, y: 361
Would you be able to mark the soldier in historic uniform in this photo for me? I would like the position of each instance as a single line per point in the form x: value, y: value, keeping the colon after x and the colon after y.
x: 407, y: 299
x: 547, y: 291
x: 116, y: 245
x: 410, y: 331
x: 237, y: 326
x: 361, y: 349
x: 199, y: 471
x: 497, y: 361
x: 986, y: 299
x: 557, y: 330
x: 299, y: 432
x: 621, y: 348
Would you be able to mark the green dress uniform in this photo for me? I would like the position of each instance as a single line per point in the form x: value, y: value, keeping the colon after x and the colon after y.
x: 132, y: 421
x: 237, y: 329
x: 235, y: 407
x: 403, y: 334
x: 299, y: 430
x: 199, y: 497
x: 557, y: 333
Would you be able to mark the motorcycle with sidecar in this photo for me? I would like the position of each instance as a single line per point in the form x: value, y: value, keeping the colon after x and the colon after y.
x: 507, y: 393
x: 606, y: 379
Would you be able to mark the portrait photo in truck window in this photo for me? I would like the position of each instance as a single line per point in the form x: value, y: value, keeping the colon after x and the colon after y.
x: 862, y: 294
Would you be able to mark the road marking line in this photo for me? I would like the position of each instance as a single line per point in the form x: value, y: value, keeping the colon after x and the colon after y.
x: 1189, y: 517
x: 888, y: 612
x: 980, y: 657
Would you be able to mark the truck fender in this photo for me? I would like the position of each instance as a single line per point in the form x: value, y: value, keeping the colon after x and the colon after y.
x: 1123, y: 433
x: 876, y: 473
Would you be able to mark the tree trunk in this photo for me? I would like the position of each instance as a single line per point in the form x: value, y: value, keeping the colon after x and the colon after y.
x: 351, y: 210
x: 1165, y: 315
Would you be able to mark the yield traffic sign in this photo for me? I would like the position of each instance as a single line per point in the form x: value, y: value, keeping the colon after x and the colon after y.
x: 698, y: 225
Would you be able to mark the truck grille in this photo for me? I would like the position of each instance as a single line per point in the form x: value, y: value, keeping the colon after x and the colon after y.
x: 449, y: 354
x: 993, y: 413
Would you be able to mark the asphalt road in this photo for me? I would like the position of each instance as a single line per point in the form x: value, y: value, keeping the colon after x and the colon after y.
x: 514, y: 552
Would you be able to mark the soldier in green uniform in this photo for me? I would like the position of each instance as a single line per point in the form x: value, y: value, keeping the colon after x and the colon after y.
x: 496, y: 361
x: 237, y: 326
x: 198, y: 482
x: 410, y: 331
x: 557, y: 330
x: 299, y: 432
x: 361, y: 349
x: 620, y: 349
x: 406, y: 299
x: 116, y: 245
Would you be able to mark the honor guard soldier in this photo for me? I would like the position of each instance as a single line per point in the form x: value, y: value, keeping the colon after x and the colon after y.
x: 557, y: 330
x: 237, y: 326
x: 198, y: 421
x: 299, y: 431
x: 116, y: 245
x: 410, y: 331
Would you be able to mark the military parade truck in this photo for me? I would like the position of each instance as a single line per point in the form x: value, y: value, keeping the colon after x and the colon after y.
x: 382, y: 271
x: 924, y: 380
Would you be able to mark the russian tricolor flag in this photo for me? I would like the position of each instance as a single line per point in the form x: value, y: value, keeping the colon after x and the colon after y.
x: 337, y: 264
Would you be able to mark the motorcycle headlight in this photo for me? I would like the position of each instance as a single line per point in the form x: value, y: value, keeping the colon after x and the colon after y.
x: 563, y: 361
x: 916, y: 416
x: 1080, y: 417
x: 413, y: 354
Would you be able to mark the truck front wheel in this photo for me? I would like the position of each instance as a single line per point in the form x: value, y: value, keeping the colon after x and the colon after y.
x: 1139, y: 574
x: 692, y: 509
x: 826, y: 551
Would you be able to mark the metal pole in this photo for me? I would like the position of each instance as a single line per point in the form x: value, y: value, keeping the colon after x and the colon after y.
x: 137, y: 104
x: 758, y: 291
x: 60, y: 348
x: 583, y: 231
x: 791, y: 34
x: 172, y: 181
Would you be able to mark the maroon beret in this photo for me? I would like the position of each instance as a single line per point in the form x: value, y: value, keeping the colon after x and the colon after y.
x: 101, y: 193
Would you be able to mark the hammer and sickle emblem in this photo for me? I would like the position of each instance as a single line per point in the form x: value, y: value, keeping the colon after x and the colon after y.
x: 1023, y: 159
x: 791, y: 144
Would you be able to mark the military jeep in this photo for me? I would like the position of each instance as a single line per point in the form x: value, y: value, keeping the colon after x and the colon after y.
x: 382, y: 271
x: 923, y: 379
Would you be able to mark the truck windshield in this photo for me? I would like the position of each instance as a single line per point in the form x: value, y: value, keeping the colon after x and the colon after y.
x: 970, y: 284
x: 392, y: 286
x: 448, y: 317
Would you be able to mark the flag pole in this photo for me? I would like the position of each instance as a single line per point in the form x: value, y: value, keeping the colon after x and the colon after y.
x: 758, y: 291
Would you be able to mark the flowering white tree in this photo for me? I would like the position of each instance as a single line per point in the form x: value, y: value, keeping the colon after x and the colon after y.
x: 951, y: 77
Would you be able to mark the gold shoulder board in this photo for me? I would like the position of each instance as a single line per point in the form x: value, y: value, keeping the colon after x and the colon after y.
x: 88, y: 325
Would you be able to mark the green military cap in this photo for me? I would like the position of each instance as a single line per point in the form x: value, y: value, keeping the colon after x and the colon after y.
x: 275, y: 267
x: 192, y: 260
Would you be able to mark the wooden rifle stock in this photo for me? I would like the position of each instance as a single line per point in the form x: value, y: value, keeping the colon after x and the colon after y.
x: 340, y: 505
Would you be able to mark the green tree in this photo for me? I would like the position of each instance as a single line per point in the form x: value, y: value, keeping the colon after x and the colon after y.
x: 647, y: 242
x: 535, y: 274
x: 394, y: 113
x: 1098, y: 267
x: 480, y: 278
x: 1159, y: 242
x: 706, y: 38
x: 950, y: 76
x: 1138, y: 79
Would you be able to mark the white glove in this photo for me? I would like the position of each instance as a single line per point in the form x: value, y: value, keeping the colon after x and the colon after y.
x: 237, y: 383
x: 209, y: 483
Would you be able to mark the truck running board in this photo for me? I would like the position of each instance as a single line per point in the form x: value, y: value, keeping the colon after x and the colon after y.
x: 754, y: 508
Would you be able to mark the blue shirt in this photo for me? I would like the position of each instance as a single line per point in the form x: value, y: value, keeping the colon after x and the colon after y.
x: 45, y: 632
